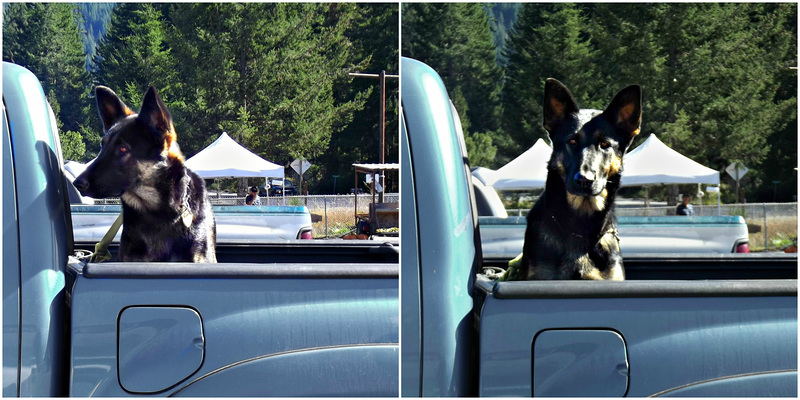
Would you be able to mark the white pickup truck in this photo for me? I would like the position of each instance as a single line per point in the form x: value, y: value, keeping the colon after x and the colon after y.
x: 91, y: 222
x: 502, y: 236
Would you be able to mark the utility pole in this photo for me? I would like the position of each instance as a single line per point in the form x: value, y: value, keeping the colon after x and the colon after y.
x: 382, y: 121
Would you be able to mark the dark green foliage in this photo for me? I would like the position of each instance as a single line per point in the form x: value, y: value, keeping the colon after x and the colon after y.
x: 274, y: 76
x: 375, y: 37
x: 549, y: 41
x: 44, y: 38
x: 716, y: 78
x: 455, y: 39
x: 95, y: 21
x: 503, y: 18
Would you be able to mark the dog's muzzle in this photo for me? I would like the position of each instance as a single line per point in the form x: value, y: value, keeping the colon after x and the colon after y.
x: 587, y: 184
x: 82, y: 184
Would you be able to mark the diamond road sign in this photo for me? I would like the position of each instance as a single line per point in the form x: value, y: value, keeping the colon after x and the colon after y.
x: 296, y: 165
x: 732, y: 169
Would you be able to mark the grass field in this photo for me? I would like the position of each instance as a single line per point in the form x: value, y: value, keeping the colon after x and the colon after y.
x: 781, y: 232
x: 340, y: 222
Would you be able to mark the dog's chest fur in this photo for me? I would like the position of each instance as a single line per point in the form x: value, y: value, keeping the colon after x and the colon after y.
x: 153, y: 227
x: 560, y: 246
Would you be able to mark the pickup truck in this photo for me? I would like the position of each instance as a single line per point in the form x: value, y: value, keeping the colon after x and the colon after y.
x: 502, y: 236
x: 681, y: 325
x: 298, y: 318
x: 91, y: 222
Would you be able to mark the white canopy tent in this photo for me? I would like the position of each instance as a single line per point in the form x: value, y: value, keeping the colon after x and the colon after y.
x: 485, y: 175
x: 528, y: 171
x: 227, y: 159
x: 653, y: 162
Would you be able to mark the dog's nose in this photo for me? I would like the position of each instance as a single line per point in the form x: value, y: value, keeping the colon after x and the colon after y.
x: 82, y: 184
x: 583, y: 181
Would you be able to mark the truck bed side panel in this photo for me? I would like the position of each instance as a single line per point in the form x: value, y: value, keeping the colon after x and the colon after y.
x: 677, y: 334
x: 256, y: 318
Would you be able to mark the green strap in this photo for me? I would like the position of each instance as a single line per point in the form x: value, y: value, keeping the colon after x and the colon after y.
x: 101, y: 252
x: 512, y: 272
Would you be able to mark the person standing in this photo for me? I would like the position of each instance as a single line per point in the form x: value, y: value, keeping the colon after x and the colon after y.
x: 685, y: 208
x: 252, y: 198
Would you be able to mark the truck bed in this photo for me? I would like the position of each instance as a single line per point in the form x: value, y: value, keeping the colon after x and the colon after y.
x: 301, y: 316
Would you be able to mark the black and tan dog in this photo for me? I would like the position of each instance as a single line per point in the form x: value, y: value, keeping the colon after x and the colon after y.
x: 572, y: 231
x: 165, y: 214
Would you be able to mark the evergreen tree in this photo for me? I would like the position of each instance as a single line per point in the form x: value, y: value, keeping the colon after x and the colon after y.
x: 715, y: 76
x: 45, y: 39
x: 375, y: 38
x: 278, y: 64
x: 95, y: 21
x: 134, y: 54
x: 503, y: 18
x: 455, y: 39
x: 549, y: 41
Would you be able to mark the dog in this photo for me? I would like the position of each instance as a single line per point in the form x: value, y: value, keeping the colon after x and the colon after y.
x: 572, y: 230
x: 165, y: 213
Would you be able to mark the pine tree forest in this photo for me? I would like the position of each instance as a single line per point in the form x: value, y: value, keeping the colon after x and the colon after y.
x: 275, y: 76
x: 719, y: 79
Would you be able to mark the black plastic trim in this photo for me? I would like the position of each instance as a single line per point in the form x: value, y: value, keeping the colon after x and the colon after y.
x: 132, y: 270
x: 643, y: 289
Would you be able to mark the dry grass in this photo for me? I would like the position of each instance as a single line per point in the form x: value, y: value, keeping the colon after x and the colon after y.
x: 340, y: 222
x: 781, y: 232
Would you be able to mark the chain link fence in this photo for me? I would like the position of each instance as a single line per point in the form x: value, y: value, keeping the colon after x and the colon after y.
x: 333, y: 215
x: 771, y: 226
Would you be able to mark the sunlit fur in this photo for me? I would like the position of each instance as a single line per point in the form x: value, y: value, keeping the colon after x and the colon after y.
x: 587, y: 205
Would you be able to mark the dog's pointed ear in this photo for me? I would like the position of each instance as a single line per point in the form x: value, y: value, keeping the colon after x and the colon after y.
x: 625, y: 111
x: 558, y: 104
x: 154, y: 113
x: 110, y: 107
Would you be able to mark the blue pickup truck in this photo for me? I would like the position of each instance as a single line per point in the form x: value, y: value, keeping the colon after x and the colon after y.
x: 296, y: 318
x: 681, y: 325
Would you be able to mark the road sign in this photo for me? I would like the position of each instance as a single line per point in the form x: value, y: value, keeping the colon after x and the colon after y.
x: 733, y: 169
x: 296, y: 164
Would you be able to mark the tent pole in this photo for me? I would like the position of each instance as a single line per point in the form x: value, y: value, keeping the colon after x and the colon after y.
x: 719, y: 201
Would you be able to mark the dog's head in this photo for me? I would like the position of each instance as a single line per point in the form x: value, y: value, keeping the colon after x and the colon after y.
x: 588, y: 145
x: 134, y: 145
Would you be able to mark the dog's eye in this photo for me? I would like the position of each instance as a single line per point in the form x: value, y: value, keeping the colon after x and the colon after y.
x: 605, y: 144
x: 123, y: 150
x: 572, y: 141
